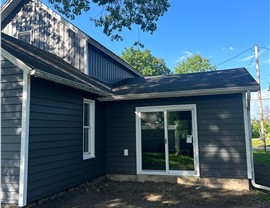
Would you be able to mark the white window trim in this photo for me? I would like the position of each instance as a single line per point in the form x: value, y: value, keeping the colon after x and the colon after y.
x: 192, y: 108
x: 28, y: 32
x: 91, y: 136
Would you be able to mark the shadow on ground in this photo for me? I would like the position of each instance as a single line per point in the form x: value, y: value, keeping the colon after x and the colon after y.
x: 135, y: 195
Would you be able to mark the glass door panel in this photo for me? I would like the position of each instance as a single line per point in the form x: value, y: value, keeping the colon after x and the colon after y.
x: 180, y: 140
x: 152, y: 141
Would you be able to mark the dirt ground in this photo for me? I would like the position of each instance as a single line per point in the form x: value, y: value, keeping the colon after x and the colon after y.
x: 145, y: 195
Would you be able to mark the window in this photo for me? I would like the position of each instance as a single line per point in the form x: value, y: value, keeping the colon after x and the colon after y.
x: 88, y: 129
x: 24, y: 36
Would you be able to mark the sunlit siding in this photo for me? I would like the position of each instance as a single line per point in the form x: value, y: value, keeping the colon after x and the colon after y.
x: 48, y: 32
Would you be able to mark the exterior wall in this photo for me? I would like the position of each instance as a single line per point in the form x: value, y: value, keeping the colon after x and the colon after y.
x: 11, y: 111
x: 221, y: 135
x: 48, y: 32
x: 105, y: 68
x: 55, y: 140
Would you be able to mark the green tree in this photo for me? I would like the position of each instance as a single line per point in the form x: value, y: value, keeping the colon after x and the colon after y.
x: 145, y: 62
x: 195, y: 63
x: 117, y: 14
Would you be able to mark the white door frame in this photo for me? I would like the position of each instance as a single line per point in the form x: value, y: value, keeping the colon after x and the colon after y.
x: 165, y: 109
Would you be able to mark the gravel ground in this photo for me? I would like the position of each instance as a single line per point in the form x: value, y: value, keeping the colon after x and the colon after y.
x: 144, y: 195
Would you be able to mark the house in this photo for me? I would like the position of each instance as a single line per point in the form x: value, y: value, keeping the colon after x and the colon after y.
x: 73, y: 111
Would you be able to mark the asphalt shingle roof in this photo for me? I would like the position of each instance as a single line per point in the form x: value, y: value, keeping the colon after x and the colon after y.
x: 230, y: 78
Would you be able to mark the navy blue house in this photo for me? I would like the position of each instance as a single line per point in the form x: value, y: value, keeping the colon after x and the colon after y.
x: 73, y: 111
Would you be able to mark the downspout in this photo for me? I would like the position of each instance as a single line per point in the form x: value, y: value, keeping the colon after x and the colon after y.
x: 254, y: 184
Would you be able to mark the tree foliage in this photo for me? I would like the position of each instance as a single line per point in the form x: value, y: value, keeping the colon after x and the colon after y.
x: 117, y: 14
x: 256, y: 133
x: 145, y: 62
x: 195, y: 63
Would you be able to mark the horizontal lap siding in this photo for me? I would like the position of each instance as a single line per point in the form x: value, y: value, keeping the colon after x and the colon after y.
x: 11, y: 109
x: 55, y: 142
x: 105, y: 68
x: 220, y: 134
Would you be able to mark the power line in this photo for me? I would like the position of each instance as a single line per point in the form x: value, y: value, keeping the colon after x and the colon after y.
x: 234, y: 57
x: 265, y: 48
x: 251, y: 61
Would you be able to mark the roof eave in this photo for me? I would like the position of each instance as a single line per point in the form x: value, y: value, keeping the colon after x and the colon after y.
x: 53, y: 78
x: 187, y: 93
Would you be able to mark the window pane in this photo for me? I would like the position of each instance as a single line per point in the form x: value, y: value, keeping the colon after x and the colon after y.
x: 86, y: 114
x: 86, y: 140
x: 25, y: 37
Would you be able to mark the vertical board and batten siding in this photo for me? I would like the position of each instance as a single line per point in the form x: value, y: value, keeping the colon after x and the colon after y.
x: 221, y: 135
x: 55, y: 140
x: 11, y: 111
x: 48, y: 32
x: 105, y: 68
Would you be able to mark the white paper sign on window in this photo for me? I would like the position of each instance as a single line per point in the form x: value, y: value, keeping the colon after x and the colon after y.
x: 189, y: 138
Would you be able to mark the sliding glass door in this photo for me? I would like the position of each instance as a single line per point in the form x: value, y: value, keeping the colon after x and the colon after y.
x: 167, y: 140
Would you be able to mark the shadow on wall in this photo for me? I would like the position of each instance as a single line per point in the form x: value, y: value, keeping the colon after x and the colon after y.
x: 222, y: 145
x: 11, y: 111
x: 48, y: 33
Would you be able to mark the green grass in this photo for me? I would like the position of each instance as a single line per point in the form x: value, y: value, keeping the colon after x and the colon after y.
x: 256, y: 142
x: 156, y: 161
x: 262, y: 158
x: 264, y: 196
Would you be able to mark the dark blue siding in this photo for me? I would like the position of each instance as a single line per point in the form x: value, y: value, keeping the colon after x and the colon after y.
x: 105, y: 68
x: 221, y: 134
x: 55, y: 142
x: 11, y: 110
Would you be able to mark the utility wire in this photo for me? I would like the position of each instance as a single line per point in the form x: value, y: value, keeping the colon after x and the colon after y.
x: 251, y: 61
x: 265, y: 48
x: 234, y: 57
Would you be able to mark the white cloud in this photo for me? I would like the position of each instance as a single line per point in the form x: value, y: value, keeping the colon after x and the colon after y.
x: 185, y: 55
x: 230, y: 48
x: 248, y: 58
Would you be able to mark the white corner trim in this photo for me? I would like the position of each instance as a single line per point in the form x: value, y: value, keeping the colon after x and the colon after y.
x: 86, y: 58
x: 24, y: 140
x: 15, y: 61
x: 247, y: 135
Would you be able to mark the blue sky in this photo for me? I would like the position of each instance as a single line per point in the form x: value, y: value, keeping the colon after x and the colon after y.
x: 217, y: 29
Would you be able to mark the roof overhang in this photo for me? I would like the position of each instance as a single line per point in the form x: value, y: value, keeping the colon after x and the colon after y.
x: 53, y: 78
x: 8, y: 7
x: 187, y: 93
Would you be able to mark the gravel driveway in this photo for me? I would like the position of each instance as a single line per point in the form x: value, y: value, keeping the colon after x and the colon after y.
x: 136, y: 195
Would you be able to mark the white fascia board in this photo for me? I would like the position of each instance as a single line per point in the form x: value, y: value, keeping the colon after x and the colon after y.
x: 24, y: 140
x: 216, y: 91
x: 15, y: 61
x: 47, y: 76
